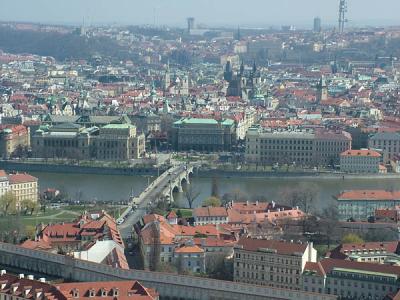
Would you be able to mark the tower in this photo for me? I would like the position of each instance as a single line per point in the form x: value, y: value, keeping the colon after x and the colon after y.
x: 167, y: 79
x: 317, y: 25
x: 322, y: 90
x: 190, y: 24
x: 228, y: 74
x: 342, y: 15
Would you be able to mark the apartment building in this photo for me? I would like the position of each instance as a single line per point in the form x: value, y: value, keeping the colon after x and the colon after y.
x: 4, y: 183
x: 26, y: 287
x: 360, y: 161
x: 24, y: 187
x: 301, y: 147
x: 270, y: 262
x: 362, y: 204
x: 372, y: 252
x: 203, y: 135
x: 387, y: 143
x: 13, y: 138
x: 351, y: 279
x: 210, y: 215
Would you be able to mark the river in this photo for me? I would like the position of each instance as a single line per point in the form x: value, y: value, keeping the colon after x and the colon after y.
x: 117, y: 188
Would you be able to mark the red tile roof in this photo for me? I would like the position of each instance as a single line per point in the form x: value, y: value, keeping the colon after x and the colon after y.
x: 281, y: 247
x: 21, y: 178
x: 369, y: 195
x: 210, y: 212
x: 368, y: 153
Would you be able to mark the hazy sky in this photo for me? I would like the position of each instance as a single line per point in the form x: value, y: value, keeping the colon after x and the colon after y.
x: 212, y: 12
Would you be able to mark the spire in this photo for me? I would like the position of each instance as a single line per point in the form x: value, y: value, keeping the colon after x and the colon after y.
x: 254, y: 67
x: 238, y: 34
x: 242, y: 68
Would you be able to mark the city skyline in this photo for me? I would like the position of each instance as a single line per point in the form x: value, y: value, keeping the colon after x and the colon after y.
x: 212, y: 13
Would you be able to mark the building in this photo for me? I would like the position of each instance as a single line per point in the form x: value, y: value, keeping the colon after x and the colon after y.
x: 210, y: 215
x: 387, y: 143
x: 24, y: 187
x: 203, y: 135
x: 317, y: 25
x: 93, y: 237
x: 362, y: 204
x: 322, y: 90
x: 26, y: 287
x: 190, y: 257
x: 162, y: 242
x: 74, y: 141
x: 273, y: 263
x: 300, y: 147
x: 14, y: 140
x: 360, y: 161
x: 351, y: 279
x: 4, y: 183
x: 118, y: 142
x: 372, y: 252
x: 64, y: 140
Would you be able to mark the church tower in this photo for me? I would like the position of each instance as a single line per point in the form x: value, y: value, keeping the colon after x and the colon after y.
x: 322, y: 90
x: 167, y: 78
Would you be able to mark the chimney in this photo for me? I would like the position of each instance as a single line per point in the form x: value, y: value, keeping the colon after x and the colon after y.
x: 38, y: 294
x: 21, y: 276
x: 3, y: 272
x: 247, y: 202
x: 42, y: 279
x: 30, y: 277
x: 257, y: 202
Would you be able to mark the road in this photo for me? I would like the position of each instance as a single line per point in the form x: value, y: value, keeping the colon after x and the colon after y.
x: 146, y: 198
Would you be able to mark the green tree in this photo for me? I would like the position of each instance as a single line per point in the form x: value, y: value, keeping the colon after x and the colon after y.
x: 352, y: 238
x: 212, y: 201
x: 8, y: 203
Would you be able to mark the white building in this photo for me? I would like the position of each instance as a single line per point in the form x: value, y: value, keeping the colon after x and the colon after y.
x: 362, y: 204
x: 4, y: 183
x: 210, y: 215
x: 360, y: 161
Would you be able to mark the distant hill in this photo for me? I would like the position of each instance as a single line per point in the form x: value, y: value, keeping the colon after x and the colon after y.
x: 57, y: 45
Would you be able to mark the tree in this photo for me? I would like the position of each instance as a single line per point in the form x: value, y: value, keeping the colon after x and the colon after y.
x: 352, y: 238
x: 215, y: 188
x: 28, y: 206
x: 212, y: 201
x: 328, y: 224
x: 302, y: 195
x: 191, y: 195
x: 8, y: 203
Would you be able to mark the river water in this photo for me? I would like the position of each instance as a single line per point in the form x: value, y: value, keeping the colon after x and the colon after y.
x: 117, y: 188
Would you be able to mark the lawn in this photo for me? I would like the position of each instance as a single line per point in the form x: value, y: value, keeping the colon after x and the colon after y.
x: 186, y: 212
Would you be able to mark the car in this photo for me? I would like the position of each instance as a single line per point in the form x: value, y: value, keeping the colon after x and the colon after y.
x: 120, y: 221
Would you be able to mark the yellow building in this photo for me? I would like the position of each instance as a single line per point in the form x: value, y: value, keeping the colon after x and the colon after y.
x: 24, y: 187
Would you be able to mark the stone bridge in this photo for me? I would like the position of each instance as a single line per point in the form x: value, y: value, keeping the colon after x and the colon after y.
x: 170, y: 286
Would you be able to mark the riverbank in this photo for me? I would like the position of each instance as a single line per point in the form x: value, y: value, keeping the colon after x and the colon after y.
x: 19, y: 166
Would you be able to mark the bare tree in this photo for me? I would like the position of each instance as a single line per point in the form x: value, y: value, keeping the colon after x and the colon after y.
x: 191, y: 194
x: 302, y: 195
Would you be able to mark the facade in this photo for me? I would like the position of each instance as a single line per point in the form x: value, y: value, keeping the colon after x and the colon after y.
x: 12, y: 139
x: 371, y: 252
x: 4, y: 183
x: 387, y: 143
x: 190, y: 258
x: 118, y: 142
x: 21, y: 287
x: 73, y: 141
x: 351, y: 279
x: 92, y: 237
x: 24, y: 187
x: 302, y: 147
x: 203, y: 135
x: 273, y: 263
x: 210, y: 215
x: 360, y: 161
x: 362, y: 204
x: 65, y: 140
x: 185, y: 247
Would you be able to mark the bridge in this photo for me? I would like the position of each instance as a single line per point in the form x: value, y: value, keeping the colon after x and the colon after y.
x: 163, y: 188
x: 170, y: 286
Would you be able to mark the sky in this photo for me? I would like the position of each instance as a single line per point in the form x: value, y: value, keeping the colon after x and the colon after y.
x: 251, y: 13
